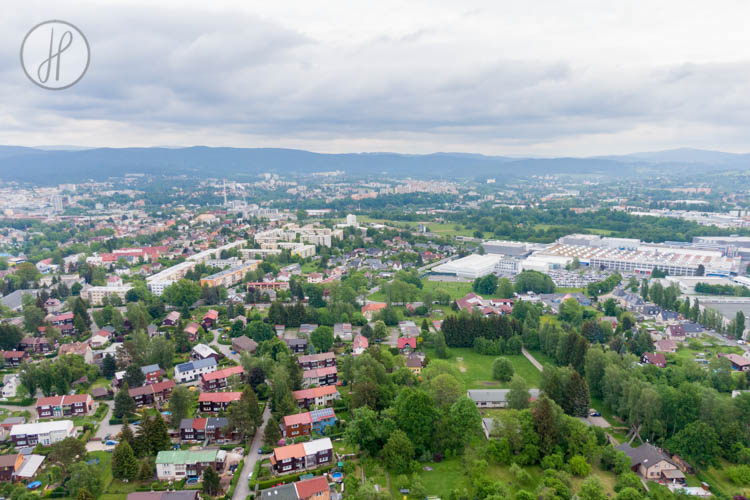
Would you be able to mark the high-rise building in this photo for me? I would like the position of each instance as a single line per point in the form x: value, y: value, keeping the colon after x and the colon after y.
x: 351, y: 220
x: 57, y: 203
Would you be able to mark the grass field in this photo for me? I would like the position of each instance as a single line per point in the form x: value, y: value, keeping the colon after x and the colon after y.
x: 443, y: 229
x: 718, y: 480
x: 476, y: 369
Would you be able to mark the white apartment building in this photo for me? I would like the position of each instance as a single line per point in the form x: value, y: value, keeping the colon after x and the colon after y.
x: 95, y: 294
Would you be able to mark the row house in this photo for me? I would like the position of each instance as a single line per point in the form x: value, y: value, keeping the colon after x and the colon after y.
x: 317, y: 396
x: 321, y: 360
x: 44, y: 433
x: 62, y: 321
x: 297, y: 346
x: 152, y: 373
x: 34, y: 344
x: 148, y: 395
x: 220, y: 379
x: 14, y: 358
x: 187, y: 372
x: 302, y: 456
x: 320, y: 376
x: 64, y: 406
x: 303, y: 424
x: 175, y: 465
x: 215, y: 402
x: 212, y: 430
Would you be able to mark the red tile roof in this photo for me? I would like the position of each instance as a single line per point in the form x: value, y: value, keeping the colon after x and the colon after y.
x: 219, y: 397
x: 298, y: 419
x: 211, y: 314
x: 315, y: 392
x: 404, y: 341
x: 310, y: 487
x: 226, y: 372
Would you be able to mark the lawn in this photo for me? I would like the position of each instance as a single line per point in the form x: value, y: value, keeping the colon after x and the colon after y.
x: 719, y: 481
x: 440, y: 228
x: 445, y: 476
x: 476, y: 369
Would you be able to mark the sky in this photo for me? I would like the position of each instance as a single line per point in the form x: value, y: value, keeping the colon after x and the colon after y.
x: 541, y: 78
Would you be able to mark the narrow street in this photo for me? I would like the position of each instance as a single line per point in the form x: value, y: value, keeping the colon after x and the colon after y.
x: 242, y: 490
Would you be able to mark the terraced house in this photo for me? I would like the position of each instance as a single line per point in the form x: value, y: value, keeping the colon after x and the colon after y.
x: 302, y: 456
x: 320, y: 376
x: 187, y: 372
x: 211, y: 430
x: 217, y: 380
x: 149, y: 395
x: 64, y: 406
x: 321, y: 360
x: 45, y: 433
x: 317, y: 396
x: 180, y: 464
x: 303, y: 424
x: 217, y: 401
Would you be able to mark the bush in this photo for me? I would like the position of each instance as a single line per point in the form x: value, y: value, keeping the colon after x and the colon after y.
x: 739, y: 474
x: 578, y: 466
x: 502, y: 369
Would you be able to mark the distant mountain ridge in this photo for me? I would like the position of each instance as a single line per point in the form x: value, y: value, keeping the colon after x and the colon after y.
x: 72, y: 164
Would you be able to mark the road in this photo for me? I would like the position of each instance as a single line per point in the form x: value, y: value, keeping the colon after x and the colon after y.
x: 242, y: 490
x: 105, y: 429
x: 226, y: 350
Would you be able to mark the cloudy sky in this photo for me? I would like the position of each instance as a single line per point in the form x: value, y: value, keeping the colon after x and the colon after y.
x: 544, y: 78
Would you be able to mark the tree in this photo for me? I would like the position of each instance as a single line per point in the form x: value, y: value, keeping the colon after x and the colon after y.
x: 697, y: 442
x: 244, y: 415
x: 486, y: 285
x: 124, y: 463
x: 701, y: 270
x: 441, y: 349
x: 739, y: 324
x: 610, y: 307
x: 322, y: 338
x: 578, y: 466
x: 445, y: 390
x: 134, y: 376
x: 416, y: 415
x: 398, y: 453
x: 33, y: 318
x: 577, y: 399
x: 380, y: 331
x: 211, y: 482
x: 179, y: 404
x: 518, y: 397
x: 124, y: 404
x: 592, y: 489
x: 67, y: 452
x: 109, y: 366
x: 367, y: 331
x: 544, y: 413
x: 259, y: 331
x: 272, y: 434
x: 184, y: 293
x: 571, y: 311
x: 644, y: 289
x: 10, y: 336
x: 502, y: 369
x: 84, y: 477
x: 27, y: 272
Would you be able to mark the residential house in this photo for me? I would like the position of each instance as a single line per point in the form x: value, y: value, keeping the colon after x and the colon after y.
x: 303, y: 424
x: 666, y: 316
x: 612, y: 320
x: 30, y: 466
x: 739, y: 363
x: 14, y: 358
x: 371, y: 309
x: 214, y: 402
x: 98, y: 341
x: 202, y: 351
x: 211, y: 430
x: 654, y: 358
x: 693, y: 329
x: 63, y: 322
x: 317, y: 396
x: 174, y: 465
x: 165, y: 495
x: 676, y: 332
x: 320, y: 376
x: 187, y: 372
x: 64, y: 406
x: 302, y: 456
x: 79, y: 349
x: 652, y: 463
x: 153, y: 394
x: 342, y: 331
x: 34, y: 344
x: 306, y: 329
x: 152, y: 373
x: 244, y: 344
x: 191, y: 330
x: 210, y: 319
x: 414, y: 364
x: 666, y: 346
x: 297, y: 346
x: 45, y: 433
x: 172, y: 319
x: 220, y: 379
x: 495, y: 398
x: 11, y: 382
x: 316, y: 488
x: 359, y: 344
x: 321, y: 360
x: 407, y: 345
x: 9, y: 465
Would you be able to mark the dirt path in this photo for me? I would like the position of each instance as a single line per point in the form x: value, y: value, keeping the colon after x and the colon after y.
x: 531, y: 358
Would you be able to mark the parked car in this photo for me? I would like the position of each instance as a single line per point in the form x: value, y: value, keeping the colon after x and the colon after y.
x: 594, y: 413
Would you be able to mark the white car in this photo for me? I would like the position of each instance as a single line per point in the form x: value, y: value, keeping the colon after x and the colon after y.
x: 250, y: 476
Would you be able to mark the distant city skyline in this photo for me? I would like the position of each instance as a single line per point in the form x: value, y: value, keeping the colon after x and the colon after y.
x: 573, y: 78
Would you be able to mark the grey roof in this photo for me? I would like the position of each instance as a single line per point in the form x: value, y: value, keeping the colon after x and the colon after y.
x: 14, y: 300
x: 495, y: 395
x: 195, y: 365
x: 283, y: 492
x: 646, y: 454
x: 150, y: 368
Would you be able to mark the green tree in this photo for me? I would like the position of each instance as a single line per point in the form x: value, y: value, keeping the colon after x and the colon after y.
x: 211, y: 482
x: 445, y: 390
x: 518, y: 396
x: 592, y: 489
x: 124, y: 404
x: 272, y: 434
x: 109, y: 366
x: 184, y: 293
x: 380, y: 331
x: 67, y: 452
x: 697, y: 442
x: 86, y: 477
x: 179, y: 405
x: 577, y: 400
x: 578, y: 466
x: 322, y: 338
x: 398, y: 453
x: 545, y: 415
x: 441, y: 349
x: 124, y: 463
x: 33, y: 318
x: 134, y: 377
x: 10, y: 336
x: 244, y: 415
x: 502, y: 369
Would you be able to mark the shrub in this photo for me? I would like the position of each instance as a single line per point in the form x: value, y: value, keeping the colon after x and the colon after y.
x: 739, y: 474
x: 578, y: 466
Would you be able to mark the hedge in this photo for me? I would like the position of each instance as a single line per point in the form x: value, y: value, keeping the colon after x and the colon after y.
x: 291, y: 477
